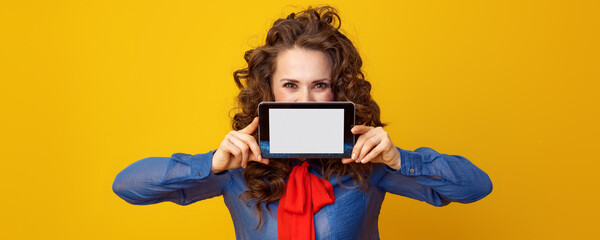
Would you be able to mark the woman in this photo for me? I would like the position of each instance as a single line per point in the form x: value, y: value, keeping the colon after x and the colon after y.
x: 305, y: 58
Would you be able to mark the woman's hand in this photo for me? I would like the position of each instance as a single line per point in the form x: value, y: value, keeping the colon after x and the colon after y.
x: 236, y: 149
x: 374, y: 145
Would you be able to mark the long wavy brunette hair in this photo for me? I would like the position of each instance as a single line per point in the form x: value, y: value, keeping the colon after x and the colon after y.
x: 313, y: 29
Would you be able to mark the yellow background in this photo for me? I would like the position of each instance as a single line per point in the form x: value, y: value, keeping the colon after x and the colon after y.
x: 88, y: 87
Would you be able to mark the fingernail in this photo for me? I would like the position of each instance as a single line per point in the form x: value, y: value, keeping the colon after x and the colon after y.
x: 259, y: 158
x: 354, y: 156
x: 363, y: 161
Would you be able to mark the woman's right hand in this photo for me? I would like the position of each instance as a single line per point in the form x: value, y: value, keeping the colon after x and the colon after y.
x: 237, y: 149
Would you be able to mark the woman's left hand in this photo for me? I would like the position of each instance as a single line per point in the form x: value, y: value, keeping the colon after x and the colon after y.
x: 374, y: 145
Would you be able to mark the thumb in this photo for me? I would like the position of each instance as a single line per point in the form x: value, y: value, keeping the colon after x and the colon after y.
x: 360, y: 129
x: 251, y: 127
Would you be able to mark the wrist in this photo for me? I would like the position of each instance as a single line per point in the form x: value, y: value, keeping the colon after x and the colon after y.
x: 214, y: 170
x: 396, y: 163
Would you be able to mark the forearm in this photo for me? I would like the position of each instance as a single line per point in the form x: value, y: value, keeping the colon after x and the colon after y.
x: 175, y: 179
x: 442, y: 178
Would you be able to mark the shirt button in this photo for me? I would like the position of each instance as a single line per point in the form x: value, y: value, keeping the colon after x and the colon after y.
x: 412, y: 170
x: 199, y: 174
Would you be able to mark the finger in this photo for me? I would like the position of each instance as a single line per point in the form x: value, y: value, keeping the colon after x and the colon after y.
x: 252, y: 157
x: 251, y: 142
x: 357, y: 146
x: 373, y: 154
x: 369, y: 144
x: 263, y: 161
x: 347, y: 160
x: 374, y: 132
x: 356, y: 150
x: 251, y: 127
x: 360, y: 129
x: 243, y: 150
x: 234, y: 152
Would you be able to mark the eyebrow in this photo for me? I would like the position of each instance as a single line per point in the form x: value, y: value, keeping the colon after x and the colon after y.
x: 295, y: 81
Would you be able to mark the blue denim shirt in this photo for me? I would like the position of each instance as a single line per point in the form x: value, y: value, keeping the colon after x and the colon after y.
x: 425, y: 175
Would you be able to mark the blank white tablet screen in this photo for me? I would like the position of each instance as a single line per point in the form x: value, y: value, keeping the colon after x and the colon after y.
x: 306, y: 130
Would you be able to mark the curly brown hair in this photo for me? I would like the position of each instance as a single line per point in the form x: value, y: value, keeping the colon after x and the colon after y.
x: 313, y: 29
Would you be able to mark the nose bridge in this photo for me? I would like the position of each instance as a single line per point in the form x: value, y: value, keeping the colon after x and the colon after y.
x: 305, y: 95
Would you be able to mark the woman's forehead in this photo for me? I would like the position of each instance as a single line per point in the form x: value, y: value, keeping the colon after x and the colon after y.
x: 302, y: 65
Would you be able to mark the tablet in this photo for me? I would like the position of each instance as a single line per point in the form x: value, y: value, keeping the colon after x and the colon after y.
x: 306, y: 130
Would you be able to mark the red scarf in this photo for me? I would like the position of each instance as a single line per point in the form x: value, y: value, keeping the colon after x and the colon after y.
x: 305, y: 194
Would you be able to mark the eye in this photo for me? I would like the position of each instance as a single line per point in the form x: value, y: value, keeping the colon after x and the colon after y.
x: 289, y: 85
x: 321, y: 85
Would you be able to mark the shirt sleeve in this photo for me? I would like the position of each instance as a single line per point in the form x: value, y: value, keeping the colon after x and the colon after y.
x: 181, y: 178
x: 435, y: 178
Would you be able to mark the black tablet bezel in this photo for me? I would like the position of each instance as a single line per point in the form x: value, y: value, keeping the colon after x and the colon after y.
x: 263, y: 128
